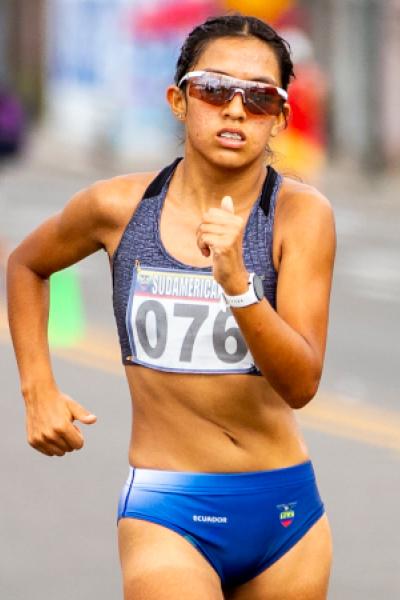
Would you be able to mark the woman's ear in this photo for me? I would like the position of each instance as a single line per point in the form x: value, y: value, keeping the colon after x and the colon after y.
x: 177, y: 101
x: 281, y: 121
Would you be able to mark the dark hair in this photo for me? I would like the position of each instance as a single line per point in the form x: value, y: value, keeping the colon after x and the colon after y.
x: 233, y: 25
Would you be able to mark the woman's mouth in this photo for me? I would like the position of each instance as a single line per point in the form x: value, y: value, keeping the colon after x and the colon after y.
x: 231, y: 138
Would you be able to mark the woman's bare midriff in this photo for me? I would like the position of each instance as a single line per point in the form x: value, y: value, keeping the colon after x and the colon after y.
x: 207, y: 423
x: 210, y: 423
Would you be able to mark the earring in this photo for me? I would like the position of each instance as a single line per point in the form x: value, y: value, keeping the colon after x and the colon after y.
x: 179, y: 116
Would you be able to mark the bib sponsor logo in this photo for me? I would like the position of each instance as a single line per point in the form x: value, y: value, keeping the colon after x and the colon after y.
x: 286, y: 513
x: 183, y: 287
x: 209, y: 519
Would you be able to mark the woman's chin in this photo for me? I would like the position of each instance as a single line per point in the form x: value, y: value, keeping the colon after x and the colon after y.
x: 227, y: 158
x: 234, y: 160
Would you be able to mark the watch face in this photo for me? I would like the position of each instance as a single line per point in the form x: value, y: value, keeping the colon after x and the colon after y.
x: 258, y: 287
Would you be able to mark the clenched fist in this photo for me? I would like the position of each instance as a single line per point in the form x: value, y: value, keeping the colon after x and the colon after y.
x: 50, y: 423
x: 220, y: 234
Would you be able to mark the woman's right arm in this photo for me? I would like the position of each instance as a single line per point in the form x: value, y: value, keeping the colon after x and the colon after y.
x: 78, y: 231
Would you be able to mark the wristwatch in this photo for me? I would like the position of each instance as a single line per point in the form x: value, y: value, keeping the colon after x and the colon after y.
x: 254, y: 294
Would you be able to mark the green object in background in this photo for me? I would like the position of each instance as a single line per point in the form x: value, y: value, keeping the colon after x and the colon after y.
x: 66, y: 318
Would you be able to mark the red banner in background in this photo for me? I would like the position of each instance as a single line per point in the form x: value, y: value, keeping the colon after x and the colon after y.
x: 308, y: 103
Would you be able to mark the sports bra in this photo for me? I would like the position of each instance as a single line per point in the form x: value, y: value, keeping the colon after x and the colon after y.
x: 172, y: 316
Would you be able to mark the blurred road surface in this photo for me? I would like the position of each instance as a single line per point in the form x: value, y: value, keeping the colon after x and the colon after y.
x: 57, y: 523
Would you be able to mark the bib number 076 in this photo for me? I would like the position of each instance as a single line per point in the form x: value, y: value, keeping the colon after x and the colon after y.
x: 227, y: 342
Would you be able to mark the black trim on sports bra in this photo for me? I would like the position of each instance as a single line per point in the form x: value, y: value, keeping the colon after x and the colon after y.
x: 159, y: 181
x: 268, y: 188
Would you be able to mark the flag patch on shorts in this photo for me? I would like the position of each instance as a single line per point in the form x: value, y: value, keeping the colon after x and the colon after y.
x: 286, y: 513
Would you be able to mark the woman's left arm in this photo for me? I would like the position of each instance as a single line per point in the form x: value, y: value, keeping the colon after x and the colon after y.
x: 288, y: 345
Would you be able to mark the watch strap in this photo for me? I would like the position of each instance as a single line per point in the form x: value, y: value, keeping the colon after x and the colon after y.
x: 245, y: 299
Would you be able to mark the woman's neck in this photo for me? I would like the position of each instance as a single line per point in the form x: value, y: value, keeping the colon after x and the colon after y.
x: 202, y: 185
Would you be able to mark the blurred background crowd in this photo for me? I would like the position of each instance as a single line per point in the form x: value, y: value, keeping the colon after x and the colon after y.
x: 90, y: 75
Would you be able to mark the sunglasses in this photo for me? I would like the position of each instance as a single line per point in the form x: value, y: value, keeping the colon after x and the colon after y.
x: 217, y: 89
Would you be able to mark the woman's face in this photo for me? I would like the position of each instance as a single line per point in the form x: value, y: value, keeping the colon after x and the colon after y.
x: 243, y: 58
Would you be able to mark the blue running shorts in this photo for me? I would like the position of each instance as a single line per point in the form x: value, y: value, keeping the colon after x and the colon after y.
x: 241, y: 522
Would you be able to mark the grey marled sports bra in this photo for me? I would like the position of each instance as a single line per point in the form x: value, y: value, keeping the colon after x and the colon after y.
x: 172, y: 316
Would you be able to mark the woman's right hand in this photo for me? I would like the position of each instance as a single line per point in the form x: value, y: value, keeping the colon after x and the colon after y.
x: 50, y: 423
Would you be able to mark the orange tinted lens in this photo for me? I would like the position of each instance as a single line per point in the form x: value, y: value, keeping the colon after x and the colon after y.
x: 209, y: 91
x: 263, y: 105
x: 263, y: 101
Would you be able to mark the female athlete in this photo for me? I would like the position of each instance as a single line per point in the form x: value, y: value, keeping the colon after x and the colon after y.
x: 222, y: 273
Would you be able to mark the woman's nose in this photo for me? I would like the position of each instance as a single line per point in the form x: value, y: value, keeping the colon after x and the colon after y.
x: 236, y: 107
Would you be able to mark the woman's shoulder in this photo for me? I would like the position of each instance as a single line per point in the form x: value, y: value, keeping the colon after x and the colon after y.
x: 302, y: 210
x: 112, y: 198
x: 296, y: 192
x: 106, y: 206
x: 298, y: 200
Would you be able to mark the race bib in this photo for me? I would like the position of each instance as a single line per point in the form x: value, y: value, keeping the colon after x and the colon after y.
x: 179, y: 321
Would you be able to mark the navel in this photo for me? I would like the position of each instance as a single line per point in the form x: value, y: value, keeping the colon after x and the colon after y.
x: 233, y: 439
